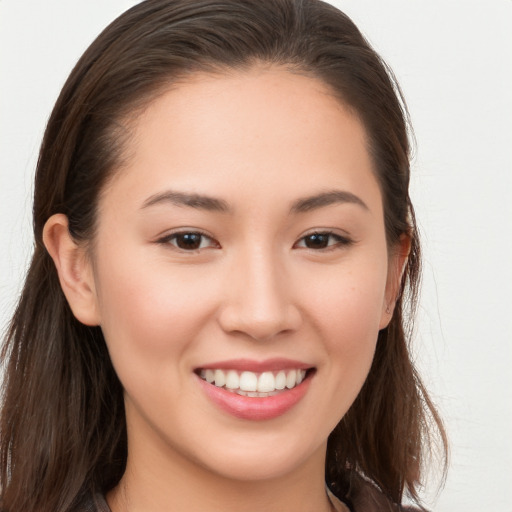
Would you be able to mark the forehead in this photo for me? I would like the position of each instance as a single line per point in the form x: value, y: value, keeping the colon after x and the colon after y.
x: 265, y: 129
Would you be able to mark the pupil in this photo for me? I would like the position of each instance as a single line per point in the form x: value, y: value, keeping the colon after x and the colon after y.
x: 189, y: 241
x: 317, y: 241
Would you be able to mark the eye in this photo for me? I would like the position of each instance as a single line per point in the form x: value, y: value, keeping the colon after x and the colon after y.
x: 322, y: 240
x: 189, y: 240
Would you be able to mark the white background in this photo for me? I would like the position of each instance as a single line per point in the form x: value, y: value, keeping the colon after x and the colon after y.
x: 453, y: 59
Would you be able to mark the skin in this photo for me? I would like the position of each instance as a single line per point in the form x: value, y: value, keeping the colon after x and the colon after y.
x: 259, y: 141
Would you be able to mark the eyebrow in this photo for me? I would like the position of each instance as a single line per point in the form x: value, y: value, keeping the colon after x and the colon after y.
x: 208, y: 203
x: 201, y: 202
x: 328, y: 198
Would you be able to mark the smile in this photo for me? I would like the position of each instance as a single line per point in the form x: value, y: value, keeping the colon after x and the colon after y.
x: 252, y: 384
x: 255, y: 391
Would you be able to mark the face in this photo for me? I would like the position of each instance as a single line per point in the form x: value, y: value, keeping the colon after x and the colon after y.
x: 241, y: 273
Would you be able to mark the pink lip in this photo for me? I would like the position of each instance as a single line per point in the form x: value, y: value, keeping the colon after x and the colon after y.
x: 249, y: 365
x: 255, y: 408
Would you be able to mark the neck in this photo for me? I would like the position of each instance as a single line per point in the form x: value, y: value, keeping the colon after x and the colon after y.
x: 181, y: 485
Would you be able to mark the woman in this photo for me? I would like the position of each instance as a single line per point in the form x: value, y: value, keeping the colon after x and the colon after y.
x: 215, y: 317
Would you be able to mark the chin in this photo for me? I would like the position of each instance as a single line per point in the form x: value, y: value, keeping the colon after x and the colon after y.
x: 259, y: 461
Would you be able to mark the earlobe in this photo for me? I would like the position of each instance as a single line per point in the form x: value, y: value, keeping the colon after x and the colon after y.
x: 396, y: 268
x: 74, y: 269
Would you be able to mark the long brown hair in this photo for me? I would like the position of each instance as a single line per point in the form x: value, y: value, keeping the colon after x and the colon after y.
x: 63, y: 431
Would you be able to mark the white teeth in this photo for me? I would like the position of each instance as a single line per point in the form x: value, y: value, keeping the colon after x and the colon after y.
x: 291, y: 379
x: 248, y: 381
x: 253, y: 384
x: 220, y: 378
x: 266, y: 382
x: 280, y: 380
x: 232, y: 380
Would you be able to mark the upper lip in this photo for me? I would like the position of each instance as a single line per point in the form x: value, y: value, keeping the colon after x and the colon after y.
x: 250, y: 365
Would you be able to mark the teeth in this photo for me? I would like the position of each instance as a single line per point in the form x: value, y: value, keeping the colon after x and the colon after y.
x: 219, y: 378
x: 232, y: 380
x: 291, y: 379
x: 281, y: 380
x: 248, y: 381
x: 253, y: 384
x: 266, y: 382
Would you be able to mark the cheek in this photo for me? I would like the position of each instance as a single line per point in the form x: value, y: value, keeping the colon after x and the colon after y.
x: 149, y: 313
x: 348, y: 303
x: 346, y: 313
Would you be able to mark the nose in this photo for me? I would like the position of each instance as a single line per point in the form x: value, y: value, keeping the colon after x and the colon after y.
x: 259, y: 300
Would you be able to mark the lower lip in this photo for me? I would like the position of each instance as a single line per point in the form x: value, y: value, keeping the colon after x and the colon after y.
x: 255, y: 408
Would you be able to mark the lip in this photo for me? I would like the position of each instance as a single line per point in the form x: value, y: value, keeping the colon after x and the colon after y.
x: 256, y: 408
x: 250, y: 365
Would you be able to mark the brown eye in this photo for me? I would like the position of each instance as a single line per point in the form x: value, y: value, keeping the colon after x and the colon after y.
x: 189, y: 241
x: 322, y: 241
x: 317, y: 241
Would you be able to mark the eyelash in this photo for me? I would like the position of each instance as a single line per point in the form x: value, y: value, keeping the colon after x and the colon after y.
x: 339, y: 241
x: 168, y: 240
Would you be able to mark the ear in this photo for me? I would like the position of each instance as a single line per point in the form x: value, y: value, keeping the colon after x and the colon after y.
x: 74, y: 269
x: 396, y: 266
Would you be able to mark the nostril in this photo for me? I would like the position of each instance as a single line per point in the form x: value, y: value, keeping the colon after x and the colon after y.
x: 260, y: 324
